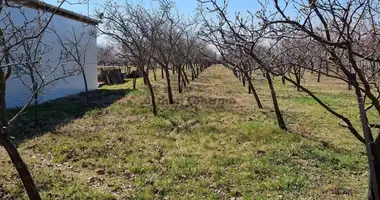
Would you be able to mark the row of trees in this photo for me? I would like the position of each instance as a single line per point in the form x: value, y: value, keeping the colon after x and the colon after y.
x: 338, y: 39
x: 156, y: 38
x: 147, y: 39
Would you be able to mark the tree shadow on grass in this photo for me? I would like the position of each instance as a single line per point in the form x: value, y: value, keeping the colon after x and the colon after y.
x: 61, y: 111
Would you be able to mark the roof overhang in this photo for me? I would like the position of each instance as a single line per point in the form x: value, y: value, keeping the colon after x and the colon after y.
x: 36, y: 4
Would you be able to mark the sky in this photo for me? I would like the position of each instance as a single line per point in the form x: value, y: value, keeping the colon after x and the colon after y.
x: 186, y: 7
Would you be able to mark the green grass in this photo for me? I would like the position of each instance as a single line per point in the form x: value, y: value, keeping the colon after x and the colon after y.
x: 219, y: 145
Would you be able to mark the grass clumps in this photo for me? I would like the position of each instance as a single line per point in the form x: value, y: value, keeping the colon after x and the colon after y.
x: 116, y: 149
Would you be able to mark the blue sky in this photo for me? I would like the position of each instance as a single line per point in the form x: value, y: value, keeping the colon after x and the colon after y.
x: 186, y: 7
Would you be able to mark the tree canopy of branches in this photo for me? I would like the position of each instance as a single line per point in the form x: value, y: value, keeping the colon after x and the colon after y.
x: 107, y: 55
x: 150, y: 37
x: 338, y: 39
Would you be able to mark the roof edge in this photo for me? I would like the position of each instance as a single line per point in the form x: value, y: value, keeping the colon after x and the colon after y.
x: 58, y: 11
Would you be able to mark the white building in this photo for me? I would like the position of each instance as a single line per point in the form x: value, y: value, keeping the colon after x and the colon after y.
x: 67, y: 25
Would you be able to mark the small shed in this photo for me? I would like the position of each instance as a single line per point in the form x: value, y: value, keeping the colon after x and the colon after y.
x: 63, y: 22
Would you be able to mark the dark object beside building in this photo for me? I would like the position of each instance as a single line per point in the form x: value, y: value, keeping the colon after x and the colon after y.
x: 135, y: 73
x: 110, y: 76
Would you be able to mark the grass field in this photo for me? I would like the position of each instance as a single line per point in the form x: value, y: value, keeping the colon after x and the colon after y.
x: 214, y: 143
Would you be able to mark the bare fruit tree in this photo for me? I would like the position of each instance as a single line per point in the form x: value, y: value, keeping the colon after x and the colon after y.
x: 76, y: 45
x: 348, y: 32
x: 135, y: 29
x: 14, y: 36
x: 23, y: 56
x: 36, y: 70
x: 169, y: 36
x: 240, y: 35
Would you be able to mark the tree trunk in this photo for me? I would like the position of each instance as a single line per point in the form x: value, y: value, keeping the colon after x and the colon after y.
x: 255, y: 94
x: 162, y: 73
x: 352, y: 77
x: 21, y: 168
x: 243, y: 78
x: 253, y: 90
x: 144, y: 77
x: 184, y: 81
x: 12, y: 151
x: 372, y: 155
x: 152, y: 97
x: 185, y: 76
x: 235, y: 73
x: 298, y: 80
x: 280, y: 120
x: 192, y: 72
x: 134, y: 80
x: 154, y: 74
x: 248, y: 77
x: 35, y: 96
x: 85, y: 86
x: 179, y: 79
x: 376, y: 155
x: 312, y: 67
x: 319, y: 75
x: 327, y: 70
x: 35, y: 105
x: 169, y: 87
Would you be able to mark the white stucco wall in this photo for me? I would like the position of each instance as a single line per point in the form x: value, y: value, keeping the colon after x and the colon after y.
x: 18, y: 93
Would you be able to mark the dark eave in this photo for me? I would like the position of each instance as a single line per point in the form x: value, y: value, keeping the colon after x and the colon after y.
x: 58, y: 11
